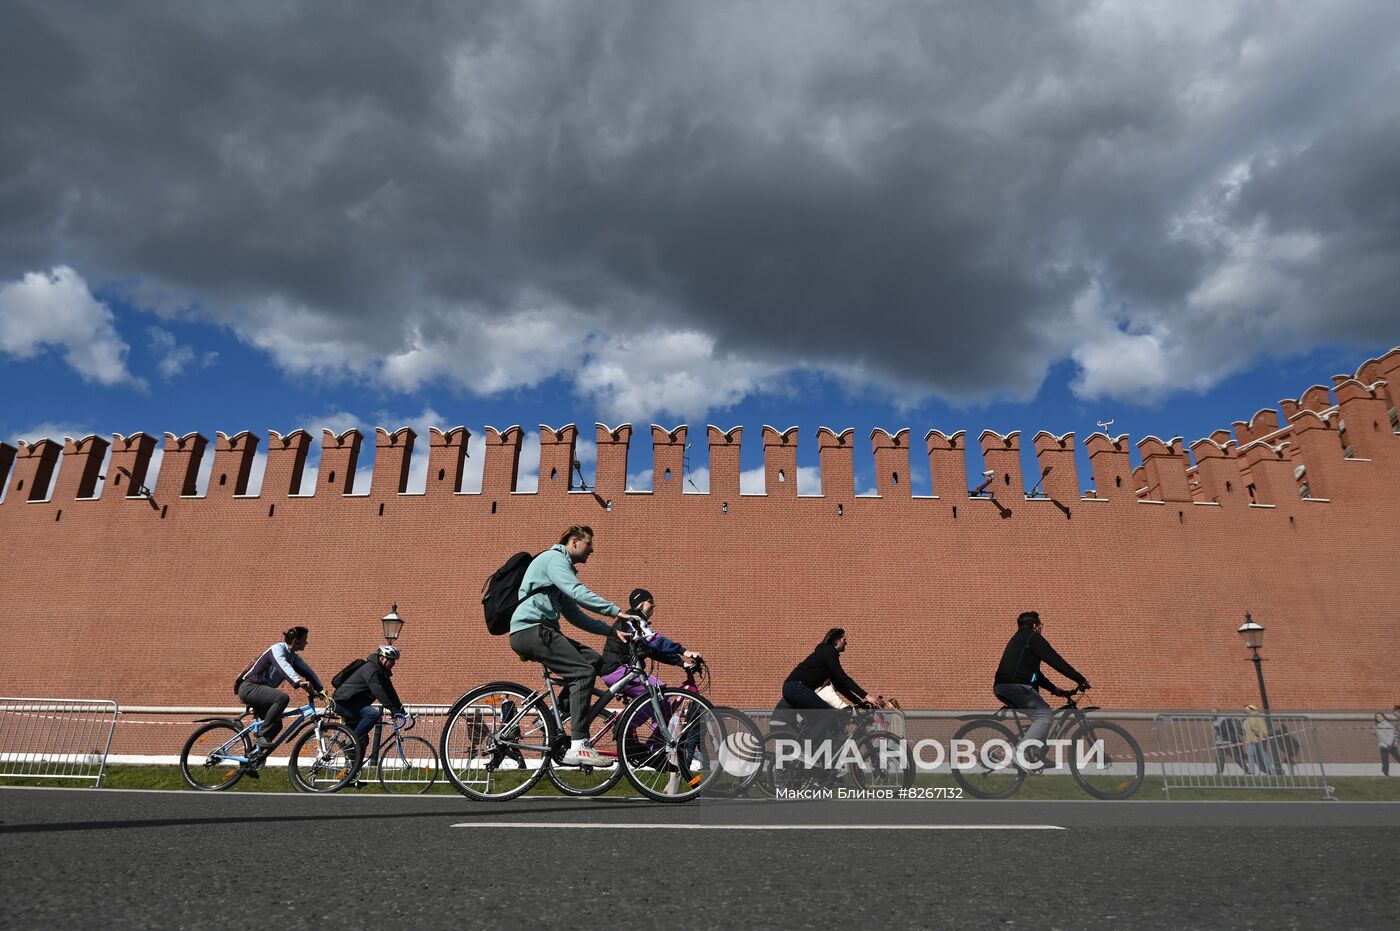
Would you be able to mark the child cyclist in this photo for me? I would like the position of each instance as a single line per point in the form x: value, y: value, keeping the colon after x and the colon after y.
x: 663, y: 650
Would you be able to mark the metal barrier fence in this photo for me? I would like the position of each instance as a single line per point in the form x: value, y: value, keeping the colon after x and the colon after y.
x: 1346, y: 740
x: 1206, y: 751
x: 56, y: 738
x: 154, y: 735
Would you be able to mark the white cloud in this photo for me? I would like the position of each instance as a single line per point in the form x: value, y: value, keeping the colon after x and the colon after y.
x: 175, y: 357
x: 666, y: 373
x: 754, y: 481
x: 336, y: 421
x: 639, y: 481
x: 56, y: 309
x: 1122, y: 365
x: 902, y: 199
x: 485, y: 353
x: 1256, y: 284
x: 53, y: 430
x: 527, y: 473
x: 476, y: 461
x: 699, y: 483
x: 303, y: 342
x: 255, y: 477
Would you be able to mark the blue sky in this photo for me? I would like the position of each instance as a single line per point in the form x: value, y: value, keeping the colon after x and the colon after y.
x: 866, y: 214
x: 190, y: 376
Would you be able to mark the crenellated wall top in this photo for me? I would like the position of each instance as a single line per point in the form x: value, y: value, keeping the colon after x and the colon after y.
x: 1312, y: 439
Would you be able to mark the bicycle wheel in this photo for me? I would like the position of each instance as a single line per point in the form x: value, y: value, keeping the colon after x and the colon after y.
x: 493, y: 745
x: 589, y: 780
x: 211, y: 760
x: 682, y: 768
x: 885, y: 762
x: 779, y: 772
x: 994, y: 773
x: 407, y: 765
x: 323, y: 759
x: 741, y: 756
x: 1112, y: 764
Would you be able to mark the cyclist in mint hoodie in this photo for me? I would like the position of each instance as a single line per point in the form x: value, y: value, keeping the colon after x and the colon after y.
x: 551, y: 590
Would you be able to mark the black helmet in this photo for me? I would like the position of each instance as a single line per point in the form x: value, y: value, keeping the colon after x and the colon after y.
x: 1027, y: 618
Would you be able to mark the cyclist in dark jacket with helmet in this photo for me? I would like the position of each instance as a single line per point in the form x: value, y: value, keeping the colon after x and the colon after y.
x: 372, y: 681
x: 1019, y: 679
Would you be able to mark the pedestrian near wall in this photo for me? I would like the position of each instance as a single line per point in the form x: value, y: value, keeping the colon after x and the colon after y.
x: 1385, y: 736
x: 1256, y: 735
x: 1228, y: 741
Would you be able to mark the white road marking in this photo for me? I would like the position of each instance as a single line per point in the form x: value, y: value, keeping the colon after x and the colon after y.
x: 562, y: 825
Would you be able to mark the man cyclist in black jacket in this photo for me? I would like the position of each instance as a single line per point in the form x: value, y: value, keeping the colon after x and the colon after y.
x: 355, y: 697
x: 1018, y: 677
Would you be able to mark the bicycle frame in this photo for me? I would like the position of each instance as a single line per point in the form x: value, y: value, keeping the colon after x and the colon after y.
x: 302, y: 714
x: 635, y: 671
x: 378, y: 743
x: 1068, y: 719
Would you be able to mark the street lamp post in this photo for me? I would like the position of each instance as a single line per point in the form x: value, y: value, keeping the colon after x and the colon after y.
x: 1253, y: 636
x: 393, y: 625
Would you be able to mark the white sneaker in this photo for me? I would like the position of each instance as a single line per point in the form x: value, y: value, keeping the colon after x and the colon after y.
x: 585, y: 756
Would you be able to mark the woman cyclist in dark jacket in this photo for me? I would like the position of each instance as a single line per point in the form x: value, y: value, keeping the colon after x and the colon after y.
x: 821, y: 667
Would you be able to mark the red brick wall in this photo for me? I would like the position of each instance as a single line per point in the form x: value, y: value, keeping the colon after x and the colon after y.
x: 152, y: 605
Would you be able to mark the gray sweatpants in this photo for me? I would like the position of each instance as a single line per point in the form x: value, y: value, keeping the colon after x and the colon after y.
x: 268, y: 702
x: 575, y: 663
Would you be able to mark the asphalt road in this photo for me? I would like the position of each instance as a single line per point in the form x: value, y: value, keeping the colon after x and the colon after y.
x: 137, y: 859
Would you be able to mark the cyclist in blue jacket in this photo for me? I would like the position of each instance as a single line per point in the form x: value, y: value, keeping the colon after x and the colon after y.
x: 662, y: 649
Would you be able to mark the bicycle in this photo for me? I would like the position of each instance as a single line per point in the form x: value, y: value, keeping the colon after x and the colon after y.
x: 741, y: 755
x: 881, y: 757
x: 1103, y: 757
x: 220, y: 753
x: 407, y: 765
x: 501, y: 738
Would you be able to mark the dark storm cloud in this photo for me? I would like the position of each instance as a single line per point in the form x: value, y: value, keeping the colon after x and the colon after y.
x: 934, y: 198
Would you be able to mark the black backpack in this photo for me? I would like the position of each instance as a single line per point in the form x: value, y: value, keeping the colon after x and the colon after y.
x: 339, y: 678
x: 500, y: 596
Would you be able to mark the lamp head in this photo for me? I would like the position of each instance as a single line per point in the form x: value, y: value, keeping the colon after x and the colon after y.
x: 392, y: 624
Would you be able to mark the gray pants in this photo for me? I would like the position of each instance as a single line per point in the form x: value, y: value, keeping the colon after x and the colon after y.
x: 575, y: 663
x: 1027, y: 699
x: 269, y: 703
